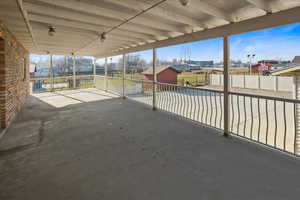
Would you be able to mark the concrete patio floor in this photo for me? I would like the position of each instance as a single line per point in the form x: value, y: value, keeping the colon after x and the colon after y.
x: 112, y: 149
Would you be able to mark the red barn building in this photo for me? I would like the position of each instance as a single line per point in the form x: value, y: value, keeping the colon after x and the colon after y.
x: 263, y: 65
x: 164, y: 75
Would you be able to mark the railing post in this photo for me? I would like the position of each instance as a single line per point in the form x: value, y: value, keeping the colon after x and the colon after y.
x: 297, y: 114
x: 94, y: 71
x: 154, y: 79
x: 105, y: 74
x: 51, y: 72
x: 124, y: 72
x: 74, y: 72
x: 226, y: 85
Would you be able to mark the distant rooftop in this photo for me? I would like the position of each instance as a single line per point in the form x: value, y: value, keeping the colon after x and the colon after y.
x: 158, y: 70
x: 296, y: 59
x: 287, y: 68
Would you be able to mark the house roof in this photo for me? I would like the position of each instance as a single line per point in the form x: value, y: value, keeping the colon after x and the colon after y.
x: 289, y: 70
x: 158, y: 70
x: 296, y: 59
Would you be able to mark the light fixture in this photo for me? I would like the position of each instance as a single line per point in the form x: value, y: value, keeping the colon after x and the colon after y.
x: 184, y: 2
x: 51, y: 31
x: 103, y: 37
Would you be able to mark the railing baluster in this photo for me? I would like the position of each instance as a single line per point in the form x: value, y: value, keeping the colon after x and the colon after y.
x: 275, y: 120
x: 215, y: 109
x: 186, y: 103
x: 258, y: 106
x: 167, y: 99
x: 245, y: 116
x: 267, y: 118
x: 206, y: 113
x: 177, y: 96
x: 211, y: 109
x: 192, y: 103
x: 202, y: 105
x: 238, y: 107
x: 284, y: 139
x: 195, y: 106
x: 180, y: 100
x: 198, y: 100
x: 295, y: 129
x: 221, y: 109
x: 232, y: 112
x: 251, y: 107
x: 173, y: 98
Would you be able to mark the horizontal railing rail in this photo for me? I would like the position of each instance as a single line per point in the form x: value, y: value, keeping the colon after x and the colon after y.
x: 44, y: 84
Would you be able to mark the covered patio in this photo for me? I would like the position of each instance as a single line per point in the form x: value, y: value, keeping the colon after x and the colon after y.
x: 120, y: 149
x: 95, y: 136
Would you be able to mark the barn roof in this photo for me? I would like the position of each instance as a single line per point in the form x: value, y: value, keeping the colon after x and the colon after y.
x: 158, y: 70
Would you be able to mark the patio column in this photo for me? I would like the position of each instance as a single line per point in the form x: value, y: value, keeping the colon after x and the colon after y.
x: 51, y: 72
x: 124, y: 73
x: 74, y: 72
x: 154, y: 79
x: 94, y: 71
x: 226, y: 85
x: 297, y: 113
x: 105, y: 74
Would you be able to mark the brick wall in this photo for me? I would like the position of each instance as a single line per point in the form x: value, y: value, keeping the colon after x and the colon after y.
x: 14, y: 76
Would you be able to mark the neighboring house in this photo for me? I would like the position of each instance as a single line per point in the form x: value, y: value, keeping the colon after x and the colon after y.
x: 292, y: 70
x: 164, y: 74
x: 296, y: 59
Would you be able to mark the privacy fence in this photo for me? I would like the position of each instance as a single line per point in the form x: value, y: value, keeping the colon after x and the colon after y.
x: 273, y: 83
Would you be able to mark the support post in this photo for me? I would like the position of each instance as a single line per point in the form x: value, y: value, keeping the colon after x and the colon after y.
x: 105, y: 74
x: 51, y: 72
x: 226, y: 85
x: 154, y: 79
x: 297, y: 114
x: 94, y: 71
x: 124, y: 73
x: 74, y: 72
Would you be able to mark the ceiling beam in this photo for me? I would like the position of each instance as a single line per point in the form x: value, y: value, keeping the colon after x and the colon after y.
x: 267, y: 21
x: 26, y: 20
x: 73, y: 15
x: 268, y: 6
x: 212, y: 10
x: 110, y: 13
x: 164, y: 13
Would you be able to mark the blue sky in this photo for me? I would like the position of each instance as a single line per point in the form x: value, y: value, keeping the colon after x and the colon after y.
x: 280, y: 43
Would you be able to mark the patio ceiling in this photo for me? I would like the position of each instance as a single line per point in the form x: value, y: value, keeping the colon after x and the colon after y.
x: 79, y: 24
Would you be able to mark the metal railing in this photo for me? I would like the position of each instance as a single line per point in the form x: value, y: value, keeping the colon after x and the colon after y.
x: 46, y: 84
x: 267, y: 120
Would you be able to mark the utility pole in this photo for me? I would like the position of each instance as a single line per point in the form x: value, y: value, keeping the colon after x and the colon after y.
x: 250, y: 56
